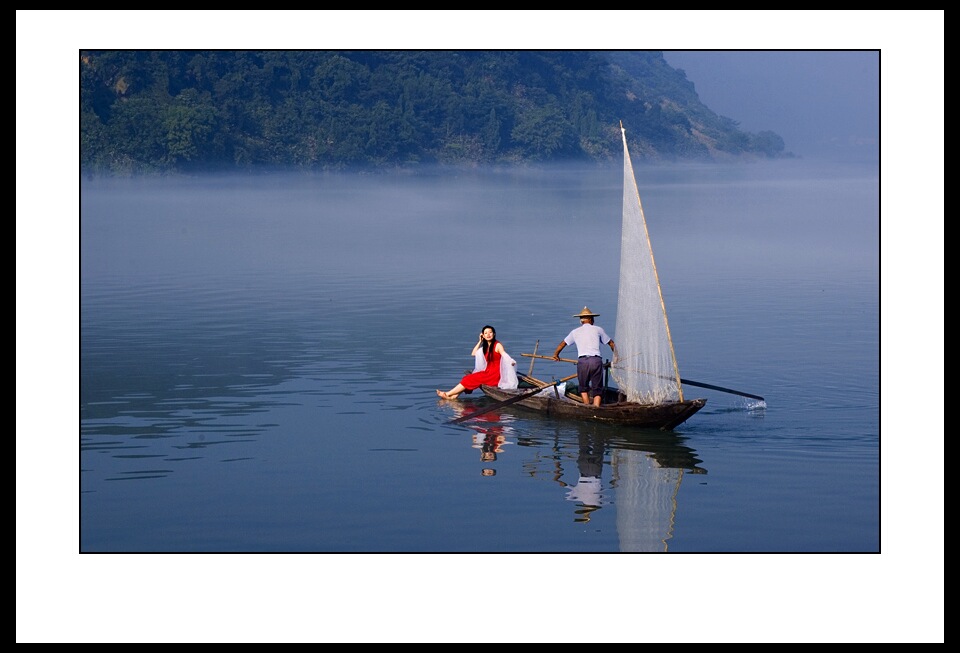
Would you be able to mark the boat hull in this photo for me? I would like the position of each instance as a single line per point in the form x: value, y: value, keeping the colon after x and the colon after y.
x: 661, y: 416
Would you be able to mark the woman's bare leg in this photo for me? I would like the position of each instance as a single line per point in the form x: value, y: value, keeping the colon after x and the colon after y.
x: 452, y: 393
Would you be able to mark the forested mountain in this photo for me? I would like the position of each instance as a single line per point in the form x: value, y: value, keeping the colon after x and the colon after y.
x: 170, y: 111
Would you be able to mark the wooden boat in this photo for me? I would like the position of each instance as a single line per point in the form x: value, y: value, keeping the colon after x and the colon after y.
x: 648, y: 389
x: 614, y: 407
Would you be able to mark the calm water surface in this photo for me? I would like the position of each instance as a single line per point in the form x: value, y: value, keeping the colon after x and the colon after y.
x: 259, y: 358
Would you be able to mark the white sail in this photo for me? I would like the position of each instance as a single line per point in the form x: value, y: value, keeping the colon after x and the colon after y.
x: 645, y: 367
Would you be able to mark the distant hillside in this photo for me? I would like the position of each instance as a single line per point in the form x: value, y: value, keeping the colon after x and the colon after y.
x: 177, y: 111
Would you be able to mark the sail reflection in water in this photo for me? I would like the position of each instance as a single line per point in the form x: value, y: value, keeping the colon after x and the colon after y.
x: 646, y: 471
x: 646, y: 500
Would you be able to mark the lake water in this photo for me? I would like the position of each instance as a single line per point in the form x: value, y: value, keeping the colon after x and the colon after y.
x: 259, y: 355
x: 259, y: 358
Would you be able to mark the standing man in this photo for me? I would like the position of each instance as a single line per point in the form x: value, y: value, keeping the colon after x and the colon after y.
x: 588, y: 337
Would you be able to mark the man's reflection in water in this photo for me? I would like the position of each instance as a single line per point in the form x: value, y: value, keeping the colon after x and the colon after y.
x: 588, y: 491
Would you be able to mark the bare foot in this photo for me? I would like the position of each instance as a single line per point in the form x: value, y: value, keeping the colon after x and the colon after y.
x: 442, y: 394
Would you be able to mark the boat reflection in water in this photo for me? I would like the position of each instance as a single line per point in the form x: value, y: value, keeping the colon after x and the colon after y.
x: 635, y: 472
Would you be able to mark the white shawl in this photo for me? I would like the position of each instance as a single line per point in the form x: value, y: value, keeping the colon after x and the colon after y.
x: 508, y: 369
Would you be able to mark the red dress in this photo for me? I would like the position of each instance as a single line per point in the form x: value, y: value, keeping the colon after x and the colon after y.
x: 488, y: 376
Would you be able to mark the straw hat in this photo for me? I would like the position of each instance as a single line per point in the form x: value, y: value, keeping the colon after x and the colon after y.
x: 586, y: 312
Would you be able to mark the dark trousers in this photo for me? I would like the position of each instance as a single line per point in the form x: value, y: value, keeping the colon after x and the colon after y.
x: 590, y: 374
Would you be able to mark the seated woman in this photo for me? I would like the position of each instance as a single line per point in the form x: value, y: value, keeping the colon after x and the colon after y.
x: 494, y: 366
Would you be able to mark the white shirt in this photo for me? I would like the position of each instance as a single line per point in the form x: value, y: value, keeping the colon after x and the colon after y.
x: 588, y: 337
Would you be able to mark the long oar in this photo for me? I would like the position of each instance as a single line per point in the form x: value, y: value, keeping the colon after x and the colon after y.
x: 511, y: 400
x: 716, y: 387
x: 684, y: 381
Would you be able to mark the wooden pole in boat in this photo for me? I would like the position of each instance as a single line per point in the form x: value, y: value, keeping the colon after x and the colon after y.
x: 533, y: 358
x: 533, y: 381
x: 550, y: 358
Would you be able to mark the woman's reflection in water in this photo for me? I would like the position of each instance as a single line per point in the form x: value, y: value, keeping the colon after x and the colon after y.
x: 490, y: 436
